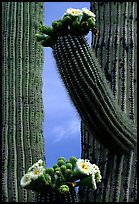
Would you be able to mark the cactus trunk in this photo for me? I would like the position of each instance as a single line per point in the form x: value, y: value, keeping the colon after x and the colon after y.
x: 116, y: 50
x: 22, y: 139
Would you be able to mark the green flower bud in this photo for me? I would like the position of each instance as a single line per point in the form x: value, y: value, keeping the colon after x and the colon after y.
x: 63, y: 189
x: 55, y: 166
x: 76, y: 26
x: 57, y: 169
x: 84, y: 25
x: 91, y: 23
x: 63, y: 168
x: 68, y: 173
x: 61, y: 158
x: 40, y: 37
x: 50, y: 171
x: 54, y: 24
x: 67, y: 19
x: 69, y: 166
x: 60, y: 27
x: 46, y: 30
x: 73, y: 160
x: 60, y: 162
x: 48, y: 42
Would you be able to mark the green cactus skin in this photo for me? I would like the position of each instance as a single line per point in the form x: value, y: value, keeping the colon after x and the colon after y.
x: 56, y: 197
x: 91, y: 95
x: 116, y: 50
x: 22, y: 139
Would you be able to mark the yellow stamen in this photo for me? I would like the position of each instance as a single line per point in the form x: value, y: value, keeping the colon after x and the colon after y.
x: 84, y: 166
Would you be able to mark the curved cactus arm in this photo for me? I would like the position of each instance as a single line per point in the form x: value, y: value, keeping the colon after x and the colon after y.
x: 86, y: 83
x: 95, y: 96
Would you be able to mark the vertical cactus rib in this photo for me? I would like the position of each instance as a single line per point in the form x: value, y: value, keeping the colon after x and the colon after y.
x: 32, y: 73
x: 115, y: 57
x: 123, y: 60
x: 38, y: 81
x: 27, y: 145
x: 22, y: 195
x: 17, y: 138
x: 5, y: 93
x: 131, y: 61
x: 12, y: 174
x: 31, y: 82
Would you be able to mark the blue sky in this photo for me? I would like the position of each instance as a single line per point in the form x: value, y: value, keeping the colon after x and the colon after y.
x: 61, y: 120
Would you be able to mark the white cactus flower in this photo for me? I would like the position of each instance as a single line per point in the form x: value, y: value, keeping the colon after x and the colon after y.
x: 26, y: 179
x: 39, y: 163
x: 74, y: 12
x: 89, y: 13
x: 37, y: 171
x: 84, y: 166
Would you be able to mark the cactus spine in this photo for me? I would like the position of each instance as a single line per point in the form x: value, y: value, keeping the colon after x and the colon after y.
x: 22, y: 140
x: 116, y: 49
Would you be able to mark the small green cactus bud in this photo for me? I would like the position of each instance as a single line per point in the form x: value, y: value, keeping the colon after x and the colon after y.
x: 69, y: 166
x: 60, y: 28
x: 91, y: 23
x: 54, y: 24
x: 76, y: 26
x: 68, y: 173
x: 47, y: 30
x: 40, y: 37
x: 48, y: 42
x: 66, y: 19
x: 63, y: 168
x: 63, y: 189
x: 61, y: 158
x: 55, y: 166
x: 73, y: 161
x: 84, y: 25
x: 50, y: 171
x: 57, y: 169
x: 43, y: 29
x: 68, y: 161
x: 60, y: 162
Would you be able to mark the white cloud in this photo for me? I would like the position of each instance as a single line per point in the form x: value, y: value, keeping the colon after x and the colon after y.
x: 70, y: 129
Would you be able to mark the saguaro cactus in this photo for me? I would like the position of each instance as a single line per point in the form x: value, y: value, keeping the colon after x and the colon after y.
x: 116, y: 49
x: 22, y: 112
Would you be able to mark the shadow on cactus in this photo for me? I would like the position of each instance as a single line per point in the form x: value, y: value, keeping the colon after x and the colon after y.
x: 85, y: 82
x: 62, y: 177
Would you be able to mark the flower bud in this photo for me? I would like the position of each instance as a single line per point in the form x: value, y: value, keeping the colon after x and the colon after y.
x: 50, y: 171
x: 63, y: 189
x: 63, y: 168
x: 55, y: 166
x: 73, y: 160
x: 60, y: 162
x: 68, y: 173
x: 61, y: 158
x: 40, y: 37
x: 69, y: 166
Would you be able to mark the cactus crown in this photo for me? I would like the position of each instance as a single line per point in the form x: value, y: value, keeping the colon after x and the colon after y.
x: 74, y: 22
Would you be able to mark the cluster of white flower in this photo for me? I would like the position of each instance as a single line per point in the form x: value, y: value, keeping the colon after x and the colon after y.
x: 85, y: 167
x: 35, y: 171
x: 78, y: 12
